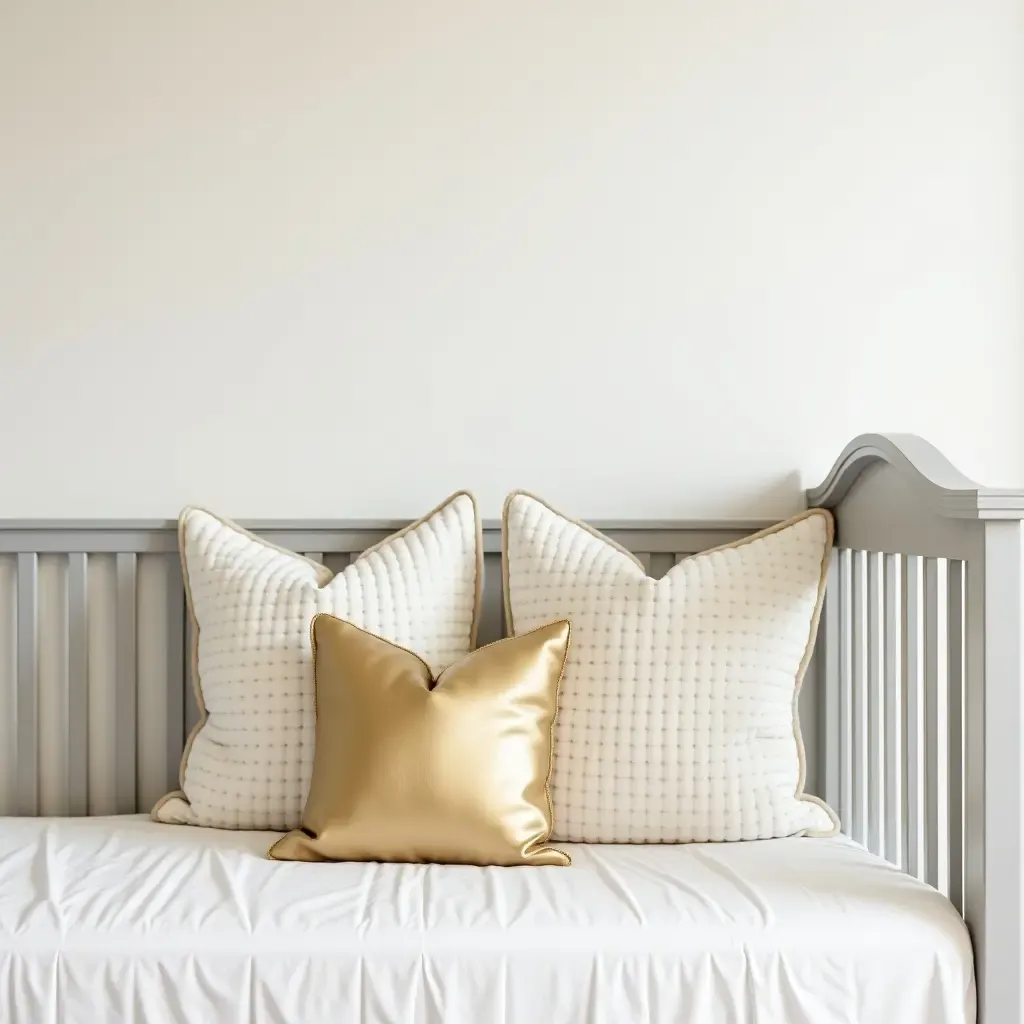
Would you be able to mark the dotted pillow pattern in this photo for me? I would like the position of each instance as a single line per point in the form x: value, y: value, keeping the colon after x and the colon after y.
x: 677, y: 715
x: 248, y: 763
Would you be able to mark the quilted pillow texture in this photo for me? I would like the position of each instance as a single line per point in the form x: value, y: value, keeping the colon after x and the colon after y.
x: 677, y: 715
x: 248, y: 763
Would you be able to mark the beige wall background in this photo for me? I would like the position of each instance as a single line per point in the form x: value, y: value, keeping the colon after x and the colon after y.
x: 648, y: 259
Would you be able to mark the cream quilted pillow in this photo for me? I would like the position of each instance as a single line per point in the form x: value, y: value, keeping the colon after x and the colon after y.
x: 248, y: 763
x: 677, y: 713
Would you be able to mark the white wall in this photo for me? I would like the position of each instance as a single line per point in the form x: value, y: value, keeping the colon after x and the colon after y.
x: 645, y: 258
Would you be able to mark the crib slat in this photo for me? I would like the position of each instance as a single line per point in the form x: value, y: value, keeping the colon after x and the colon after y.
x: 661, y: 562
x: 28, y: 689
x: 913, y: 716
x: 491, y: 622
x: 845, y: 690
x: 175, y: 682
x: 893, y: 766
x: 831, y: 732
x: 874, y: 702
x: 859, y: 817
x: 315, y: 556
x: 125, y: 714
x: 955, y: 683
x: 337, y: 563
x: 78, y: 684
x: 931, y: 719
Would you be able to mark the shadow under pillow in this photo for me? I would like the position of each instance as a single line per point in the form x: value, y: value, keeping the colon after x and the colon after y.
x: 411, y: 770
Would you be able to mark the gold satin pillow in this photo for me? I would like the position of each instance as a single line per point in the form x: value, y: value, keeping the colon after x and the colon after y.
x: 410, y: 770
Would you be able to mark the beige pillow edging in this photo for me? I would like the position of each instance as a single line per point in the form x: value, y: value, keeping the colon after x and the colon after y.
x: 324, y: 576
x: 799, y: 795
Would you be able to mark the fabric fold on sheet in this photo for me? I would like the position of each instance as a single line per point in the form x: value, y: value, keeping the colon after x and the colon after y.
x: 157, y: 924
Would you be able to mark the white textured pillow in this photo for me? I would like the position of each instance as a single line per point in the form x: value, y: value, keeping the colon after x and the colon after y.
x: 248, y: 763
x: 677, y: 713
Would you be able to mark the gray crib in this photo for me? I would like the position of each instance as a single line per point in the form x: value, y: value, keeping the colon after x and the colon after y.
x: 912, y: 713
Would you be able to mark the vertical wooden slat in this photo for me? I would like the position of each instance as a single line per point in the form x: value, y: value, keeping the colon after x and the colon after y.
x: 101, y: 624
x: 660, y: 564
x: 913, y: 669
x: 28, y: 690
x: 78, y: 684
x: 859, y: 817
x: 955, y: 688
x: 830, y: 716
x: 645, y: 560
x: 125, y: 726
x: 875, y: 653
x: 315, y: 556
x: 932, y: 698
x: 976, y: 792
x: 995, y: 797
x: 337, y: 563
x: 492, y: 607
x: 176, y: 655
x: 845, y: 690
x: 893, y: 765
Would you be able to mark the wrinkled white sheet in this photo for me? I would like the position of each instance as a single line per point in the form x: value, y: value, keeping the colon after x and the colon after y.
x: 123, y: 920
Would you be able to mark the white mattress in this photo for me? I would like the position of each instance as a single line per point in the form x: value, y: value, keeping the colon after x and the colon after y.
x: 120, y: 919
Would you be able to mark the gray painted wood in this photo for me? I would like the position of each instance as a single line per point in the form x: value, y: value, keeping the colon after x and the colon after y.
x: 893, y: 627
x: 932, y: 698
x: 830, y: 705
x: 337, y: 562
x: 661, y: 562
x: 955, y: 678
x: 176, y: 671
x: 884, y: 513
x: 913, y: 672
x: 127, y: 699
x: 875, y: 653
x: 859, y: 815
x: 315, y: 556
x: 303, y: 538
x: 492, y: 611
x: 976, y: 792
x: 27, y: 690
x: 996, y: 851
x: 846, y: 690
x: 159, y: 536
x: 78, y: 684
x: 939, y: 487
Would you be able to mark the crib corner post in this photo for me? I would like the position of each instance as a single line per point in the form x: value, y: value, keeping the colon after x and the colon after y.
x: 994, y: 783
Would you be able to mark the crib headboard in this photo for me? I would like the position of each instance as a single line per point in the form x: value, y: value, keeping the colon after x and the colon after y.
x: 95, y: 690
x: 913, y: 710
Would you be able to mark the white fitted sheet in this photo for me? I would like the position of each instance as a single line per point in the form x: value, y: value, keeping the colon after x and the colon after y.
x: 124, y: 920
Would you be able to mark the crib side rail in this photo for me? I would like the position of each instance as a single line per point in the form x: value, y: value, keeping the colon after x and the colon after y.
x: 921, y: 674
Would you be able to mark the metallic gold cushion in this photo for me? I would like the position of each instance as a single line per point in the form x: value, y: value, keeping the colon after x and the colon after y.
x: 411, y: 770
